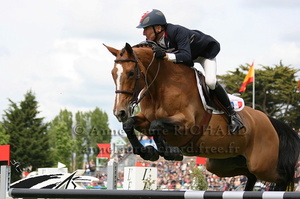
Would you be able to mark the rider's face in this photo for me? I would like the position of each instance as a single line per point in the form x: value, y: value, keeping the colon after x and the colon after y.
x: 149, y: 33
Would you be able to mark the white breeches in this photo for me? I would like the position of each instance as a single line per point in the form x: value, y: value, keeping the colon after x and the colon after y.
x: 210, y: 69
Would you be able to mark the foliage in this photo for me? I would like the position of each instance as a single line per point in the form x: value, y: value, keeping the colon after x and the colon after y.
x: 199, y: 181
x: 148, y: 182
x: 4, y: 137
x: 90, y: 128
x: 29, y: 139
x: 73, y: 141
x: 275, y: 91
x: 37, y: 144
x: 61, y: 138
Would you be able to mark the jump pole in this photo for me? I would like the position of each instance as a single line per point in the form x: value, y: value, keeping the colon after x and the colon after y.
x: 148, y: 194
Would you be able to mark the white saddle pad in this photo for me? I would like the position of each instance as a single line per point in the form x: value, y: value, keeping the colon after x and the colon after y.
x: 236, y: 102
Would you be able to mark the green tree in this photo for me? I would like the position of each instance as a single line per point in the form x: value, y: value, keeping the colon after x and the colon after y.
x: 81, y: 139
x: 293, y: 116
x: 4, y: 137
x: 62, y: 141
x: 91, y: 128
x: 100, y: 132
x: 275, y: 90
x: 28, y: 134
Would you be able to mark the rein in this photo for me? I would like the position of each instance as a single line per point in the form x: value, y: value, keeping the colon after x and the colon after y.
x: 135, y: 93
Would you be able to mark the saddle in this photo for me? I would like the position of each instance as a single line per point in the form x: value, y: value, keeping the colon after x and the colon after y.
x: 210, y: 102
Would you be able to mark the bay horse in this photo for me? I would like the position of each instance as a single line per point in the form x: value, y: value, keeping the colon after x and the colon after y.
x: 171, y: 111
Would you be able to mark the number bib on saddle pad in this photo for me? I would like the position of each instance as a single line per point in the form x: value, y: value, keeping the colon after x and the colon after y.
x: 236, y: 102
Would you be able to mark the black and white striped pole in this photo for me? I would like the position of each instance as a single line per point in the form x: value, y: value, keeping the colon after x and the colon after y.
x: 149, y: 194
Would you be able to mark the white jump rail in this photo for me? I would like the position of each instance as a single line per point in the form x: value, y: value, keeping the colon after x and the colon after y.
x: 148, y: 194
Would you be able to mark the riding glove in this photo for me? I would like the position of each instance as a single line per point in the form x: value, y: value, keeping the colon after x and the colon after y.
x: 159, y: 52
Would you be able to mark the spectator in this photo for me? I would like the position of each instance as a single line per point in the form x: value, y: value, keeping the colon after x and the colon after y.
x: 92, y: 166
x: 298, y: 186
x: 87, y: 169
x: 177, y: 175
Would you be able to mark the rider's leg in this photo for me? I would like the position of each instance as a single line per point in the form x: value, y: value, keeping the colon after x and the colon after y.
x: 235, y: 123
x: 210, y: 68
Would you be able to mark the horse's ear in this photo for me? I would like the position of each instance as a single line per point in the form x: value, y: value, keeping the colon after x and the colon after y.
x: 128, y: 48
x: 112, y: 50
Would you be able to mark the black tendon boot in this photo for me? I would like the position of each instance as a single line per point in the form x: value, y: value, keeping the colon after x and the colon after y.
x: 235, y: 123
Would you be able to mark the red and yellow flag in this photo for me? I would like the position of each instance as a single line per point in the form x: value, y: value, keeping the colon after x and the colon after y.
x: 299, y: 85
x: 248, y: 79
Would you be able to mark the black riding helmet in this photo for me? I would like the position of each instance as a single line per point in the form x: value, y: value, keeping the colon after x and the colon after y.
x: 155, y: 17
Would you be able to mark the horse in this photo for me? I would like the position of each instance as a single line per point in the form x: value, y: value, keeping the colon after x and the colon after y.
x: 172, y: 112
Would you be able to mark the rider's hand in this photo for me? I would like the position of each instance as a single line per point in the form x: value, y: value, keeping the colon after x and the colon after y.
x: 159, y: 52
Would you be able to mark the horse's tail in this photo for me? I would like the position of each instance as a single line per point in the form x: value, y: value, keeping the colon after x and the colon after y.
x: 289, y: 149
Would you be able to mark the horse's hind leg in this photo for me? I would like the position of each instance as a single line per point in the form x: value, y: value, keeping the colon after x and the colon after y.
x: 251, y: 180
x: 148, y: 152
x: 232, y: 167
x: 280, y: 186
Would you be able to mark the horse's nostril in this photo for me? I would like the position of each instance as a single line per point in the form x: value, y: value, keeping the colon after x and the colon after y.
x: 122, y: 113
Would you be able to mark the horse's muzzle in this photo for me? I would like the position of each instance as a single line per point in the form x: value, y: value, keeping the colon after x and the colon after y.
x: 121, y: 115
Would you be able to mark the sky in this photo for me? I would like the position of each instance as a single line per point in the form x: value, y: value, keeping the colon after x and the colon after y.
x: 55, y: 48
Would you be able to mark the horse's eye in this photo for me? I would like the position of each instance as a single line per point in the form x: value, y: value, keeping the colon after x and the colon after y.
x: 131, y: 73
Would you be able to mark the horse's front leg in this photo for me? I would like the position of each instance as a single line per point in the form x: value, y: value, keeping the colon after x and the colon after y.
x: 148, y: 152
x: 157, y: 129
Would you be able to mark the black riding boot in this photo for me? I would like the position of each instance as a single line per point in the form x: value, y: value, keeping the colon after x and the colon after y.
x: 235, y: 123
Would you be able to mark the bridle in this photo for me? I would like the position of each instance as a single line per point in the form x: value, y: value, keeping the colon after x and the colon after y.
x: 135, y: 92
x: 135, y: 100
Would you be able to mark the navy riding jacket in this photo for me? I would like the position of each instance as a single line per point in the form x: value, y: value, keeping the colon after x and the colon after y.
x: 190, y: 44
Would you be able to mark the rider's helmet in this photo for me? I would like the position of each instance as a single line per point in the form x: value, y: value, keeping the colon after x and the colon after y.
x: 155, y: 17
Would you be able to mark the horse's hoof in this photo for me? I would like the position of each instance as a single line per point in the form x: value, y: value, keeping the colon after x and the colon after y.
x: 173, y: 153
x: 149, y: 153
x: 175, y: 157
x: 179, y: 157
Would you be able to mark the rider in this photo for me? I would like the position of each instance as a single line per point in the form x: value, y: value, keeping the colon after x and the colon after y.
x: 191, y: 46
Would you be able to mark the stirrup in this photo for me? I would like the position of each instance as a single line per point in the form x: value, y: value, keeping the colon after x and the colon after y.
x: 235, y: 123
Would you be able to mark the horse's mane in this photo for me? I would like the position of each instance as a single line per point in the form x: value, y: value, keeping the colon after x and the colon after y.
x: 144, y: 44
x: 152, y: 44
